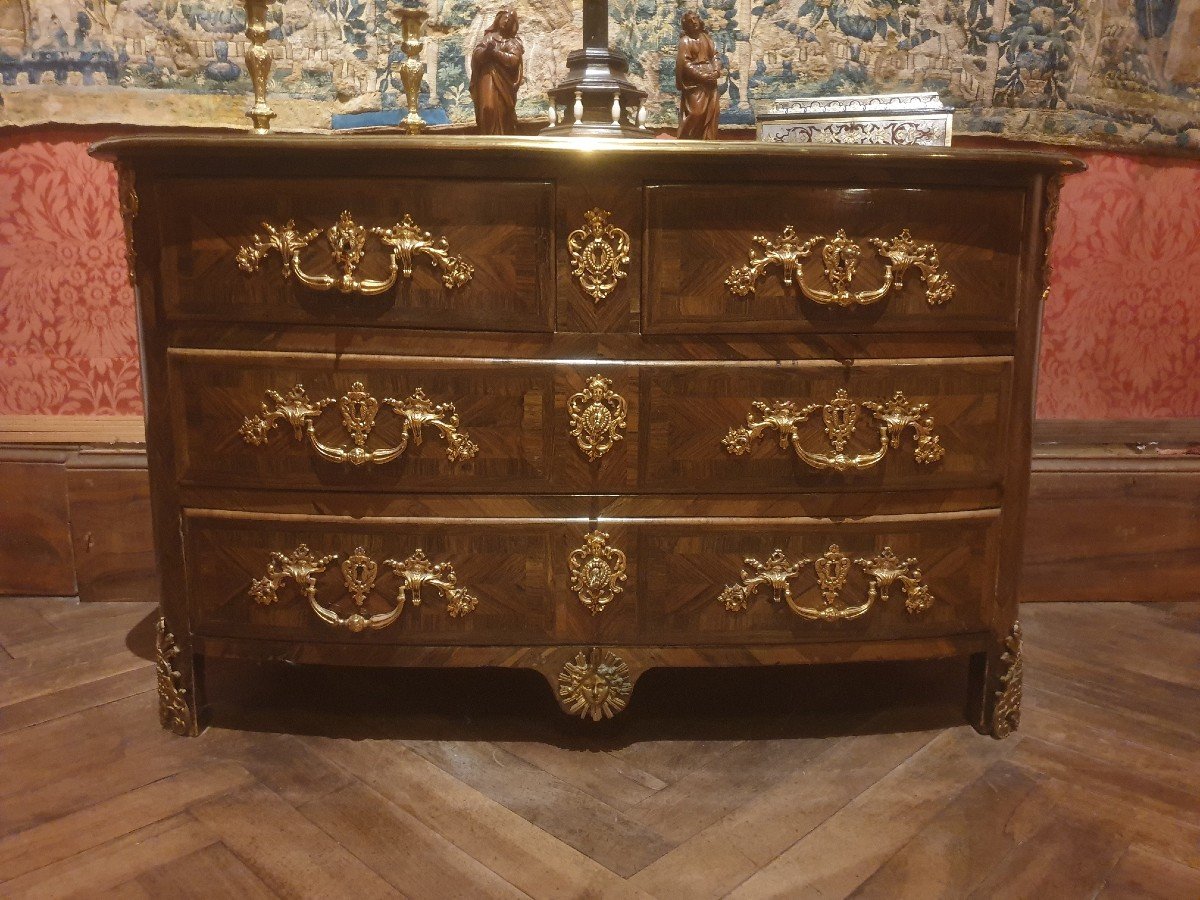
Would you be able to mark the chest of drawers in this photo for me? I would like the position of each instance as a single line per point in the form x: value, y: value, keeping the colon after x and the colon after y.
x: 587, y: 408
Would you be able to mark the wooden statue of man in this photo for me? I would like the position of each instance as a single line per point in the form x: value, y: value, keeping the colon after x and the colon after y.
x: 697, y: 72
x: 497, y: 70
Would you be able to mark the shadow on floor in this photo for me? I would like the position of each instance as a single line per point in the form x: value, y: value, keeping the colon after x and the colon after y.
x: 517, y: 705
x: 493, y: 704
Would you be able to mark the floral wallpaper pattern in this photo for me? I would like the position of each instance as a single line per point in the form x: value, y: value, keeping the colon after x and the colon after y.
x: 1121, y: 336
x: 68, y: 334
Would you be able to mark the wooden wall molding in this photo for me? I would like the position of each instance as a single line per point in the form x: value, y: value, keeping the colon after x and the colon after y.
x: 82, y: 430
x: 75, y: 521
x: 1114, y: 510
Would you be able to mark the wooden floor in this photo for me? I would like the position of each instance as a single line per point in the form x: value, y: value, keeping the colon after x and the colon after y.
x: 824, y: 781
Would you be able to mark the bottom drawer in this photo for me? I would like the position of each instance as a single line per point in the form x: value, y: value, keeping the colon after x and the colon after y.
x: 651, y: 581
x: 785, y: 580
x: 422, y: 581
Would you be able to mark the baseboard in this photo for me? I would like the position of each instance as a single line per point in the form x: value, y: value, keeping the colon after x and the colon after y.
x: 75, y: 521
x: 1114, y: 510
x: 81, y: 430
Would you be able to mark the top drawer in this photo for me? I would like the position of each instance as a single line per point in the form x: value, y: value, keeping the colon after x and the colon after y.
x: 472, y: 255
x: 702, y: 240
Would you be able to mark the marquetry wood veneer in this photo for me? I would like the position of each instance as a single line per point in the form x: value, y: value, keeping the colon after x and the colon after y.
x: 586, y: 408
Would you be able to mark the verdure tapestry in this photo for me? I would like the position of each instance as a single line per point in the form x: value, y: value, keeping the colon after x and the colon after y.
x: 1122, y: 73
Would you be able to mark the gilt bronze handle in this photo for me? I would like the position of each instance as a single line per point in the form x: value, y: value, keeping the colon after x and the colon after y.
x: 358, y: 409
x: 839, y: 259
x: 840, y: 417
x: 359, y: 574
x: 405, y: 240
x: 832, y: 569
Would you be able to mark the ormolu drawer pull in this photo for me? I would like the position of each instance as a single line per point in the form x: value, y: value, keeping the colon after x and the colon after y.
x: 597, y: 417
x: 358, y: 410
x: 359, y: 573
x: 832, y: 570
x: 839, y: 259
x: 840, y: 416
x: 347, y: 246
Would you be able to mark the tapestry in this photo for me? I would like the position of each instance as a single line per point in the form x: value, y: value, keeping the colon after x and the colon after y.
x: 1120, y: 336
x: 1122, y: 73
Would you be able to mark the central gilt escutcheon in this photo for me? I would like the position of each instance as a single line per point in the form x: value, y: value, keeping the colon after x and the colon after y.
x: 599, y: 254
x: 597, y: 571
x: 597, y: 417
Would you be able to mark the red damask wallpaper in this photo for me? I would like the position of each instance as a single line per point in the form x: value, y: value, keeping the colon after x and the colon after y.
x: 68, y: 334
x: 1121, y: 333
x: 1121, y: 336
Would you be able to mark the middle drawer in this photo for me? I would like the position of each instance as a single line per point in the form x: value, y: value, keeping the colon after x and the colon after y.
x: 397, y: 424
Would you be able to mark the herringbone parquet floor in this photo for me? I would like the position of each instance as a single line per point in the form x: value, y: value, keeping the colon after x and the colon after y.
x: 823, y: 782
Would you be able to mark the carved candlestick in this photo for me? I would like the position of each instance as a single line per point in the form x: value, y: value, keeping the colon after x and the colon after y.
x: 258, y: 64
x: 412, y: 70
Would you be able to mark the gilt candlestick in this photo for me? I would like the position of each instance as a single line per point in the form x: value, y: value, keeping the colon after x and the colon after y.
x: 258, y: 64
x: 412, y: 70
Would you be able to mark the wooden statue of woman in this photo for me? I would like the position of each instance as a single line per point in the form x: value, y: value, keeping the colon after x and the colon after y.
x: 697, y: 72
x: 497, y: 69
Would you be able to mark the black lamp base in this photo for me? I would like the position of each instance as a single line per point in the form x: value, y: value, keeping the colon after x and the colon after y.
x: 597, y: 99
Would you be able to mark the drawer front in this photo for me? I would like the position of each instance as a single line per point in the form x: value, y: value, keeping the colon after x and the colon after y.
x: 959, y: 272
x: 319, y: 422
x: 484, y: 581
x: 477, y: 255
x: 804, y: 426
x: 713, y: 582
x: 478, y: 581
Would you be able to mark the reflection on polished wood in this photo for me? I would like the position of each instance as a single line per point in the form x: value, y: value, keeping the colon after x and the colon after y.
x: 324, y: 782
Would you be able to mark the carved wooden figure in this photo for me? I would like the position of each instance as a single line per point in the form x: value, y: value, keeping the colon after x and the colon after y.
x: 697, y: 72
x: 497, y: 70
